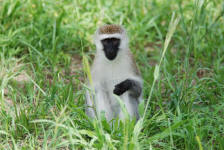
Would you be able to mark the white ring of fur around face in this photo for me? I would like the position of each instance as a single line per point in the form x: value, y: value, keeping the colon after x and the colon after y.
x: 106, y: 36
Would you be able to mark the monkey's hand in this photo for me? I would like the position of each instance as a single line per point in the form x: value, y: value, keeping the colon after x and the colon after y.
x: 122, y: 87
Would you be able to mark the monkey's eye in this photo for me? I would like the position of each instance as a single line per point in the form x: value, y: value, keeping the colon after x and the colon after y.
x: 116, y: 41
x: 105, y: 42
x: 113, y: 41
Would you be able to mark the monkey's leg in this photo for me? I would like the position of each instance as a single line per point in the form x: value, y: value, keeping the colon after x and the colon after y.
x: 102, y: 104
x: 131, y: 85
x: 131, y: 105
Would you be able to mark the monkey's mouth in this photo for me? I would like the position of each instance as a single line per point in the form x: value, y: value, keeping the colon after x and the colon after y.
x: 110, y: 54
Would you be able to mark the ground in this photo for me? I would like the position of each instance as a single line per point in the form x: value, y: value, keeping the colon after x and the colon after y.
x: 42, y: 74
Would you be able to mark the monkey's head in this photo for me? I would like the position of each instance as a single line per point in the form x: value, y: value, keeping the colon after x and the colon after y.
x: 111, y: 39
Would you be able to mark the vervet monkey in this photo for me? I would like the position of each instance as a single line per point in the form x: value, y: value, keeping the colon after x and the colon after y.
x: 114, y: 71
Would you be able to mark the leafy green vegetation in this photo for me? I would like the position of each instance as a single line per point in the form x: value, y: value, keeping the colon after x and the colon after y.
x: 42, y: 78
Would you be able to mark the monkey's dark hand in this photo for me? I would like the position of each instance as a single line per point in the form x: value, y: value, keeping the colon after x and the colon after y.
x: 122, y: 87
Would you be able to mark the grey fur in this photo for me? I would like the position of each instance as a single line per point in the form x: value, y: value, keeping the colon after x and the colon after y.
x: 136, y: 89
x: 106, y: 74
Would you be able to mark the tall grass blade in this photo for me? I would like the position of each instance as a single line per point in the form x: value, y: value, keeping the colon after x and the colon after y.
x: 172, y: 27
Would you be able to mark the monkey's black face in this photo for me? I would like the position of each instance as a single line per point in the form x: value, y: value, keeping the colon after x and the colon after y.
x: 111, y: 47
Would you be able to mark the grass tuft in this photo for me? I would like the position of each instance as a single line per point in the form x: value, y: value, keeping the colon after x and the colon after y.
x: 45, y: 51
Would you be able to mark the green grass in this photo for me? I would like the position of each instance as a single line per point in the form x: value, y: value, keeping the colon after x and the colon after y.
x: 42, y: 81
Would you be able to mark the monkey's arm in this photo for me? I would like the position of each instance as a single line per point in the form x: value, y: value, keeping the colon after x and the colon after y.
x: 131, y: 85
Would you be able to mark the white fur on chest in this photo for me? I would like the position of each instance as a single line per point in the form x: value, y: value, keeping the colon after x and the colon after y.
x: 112, y: 73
